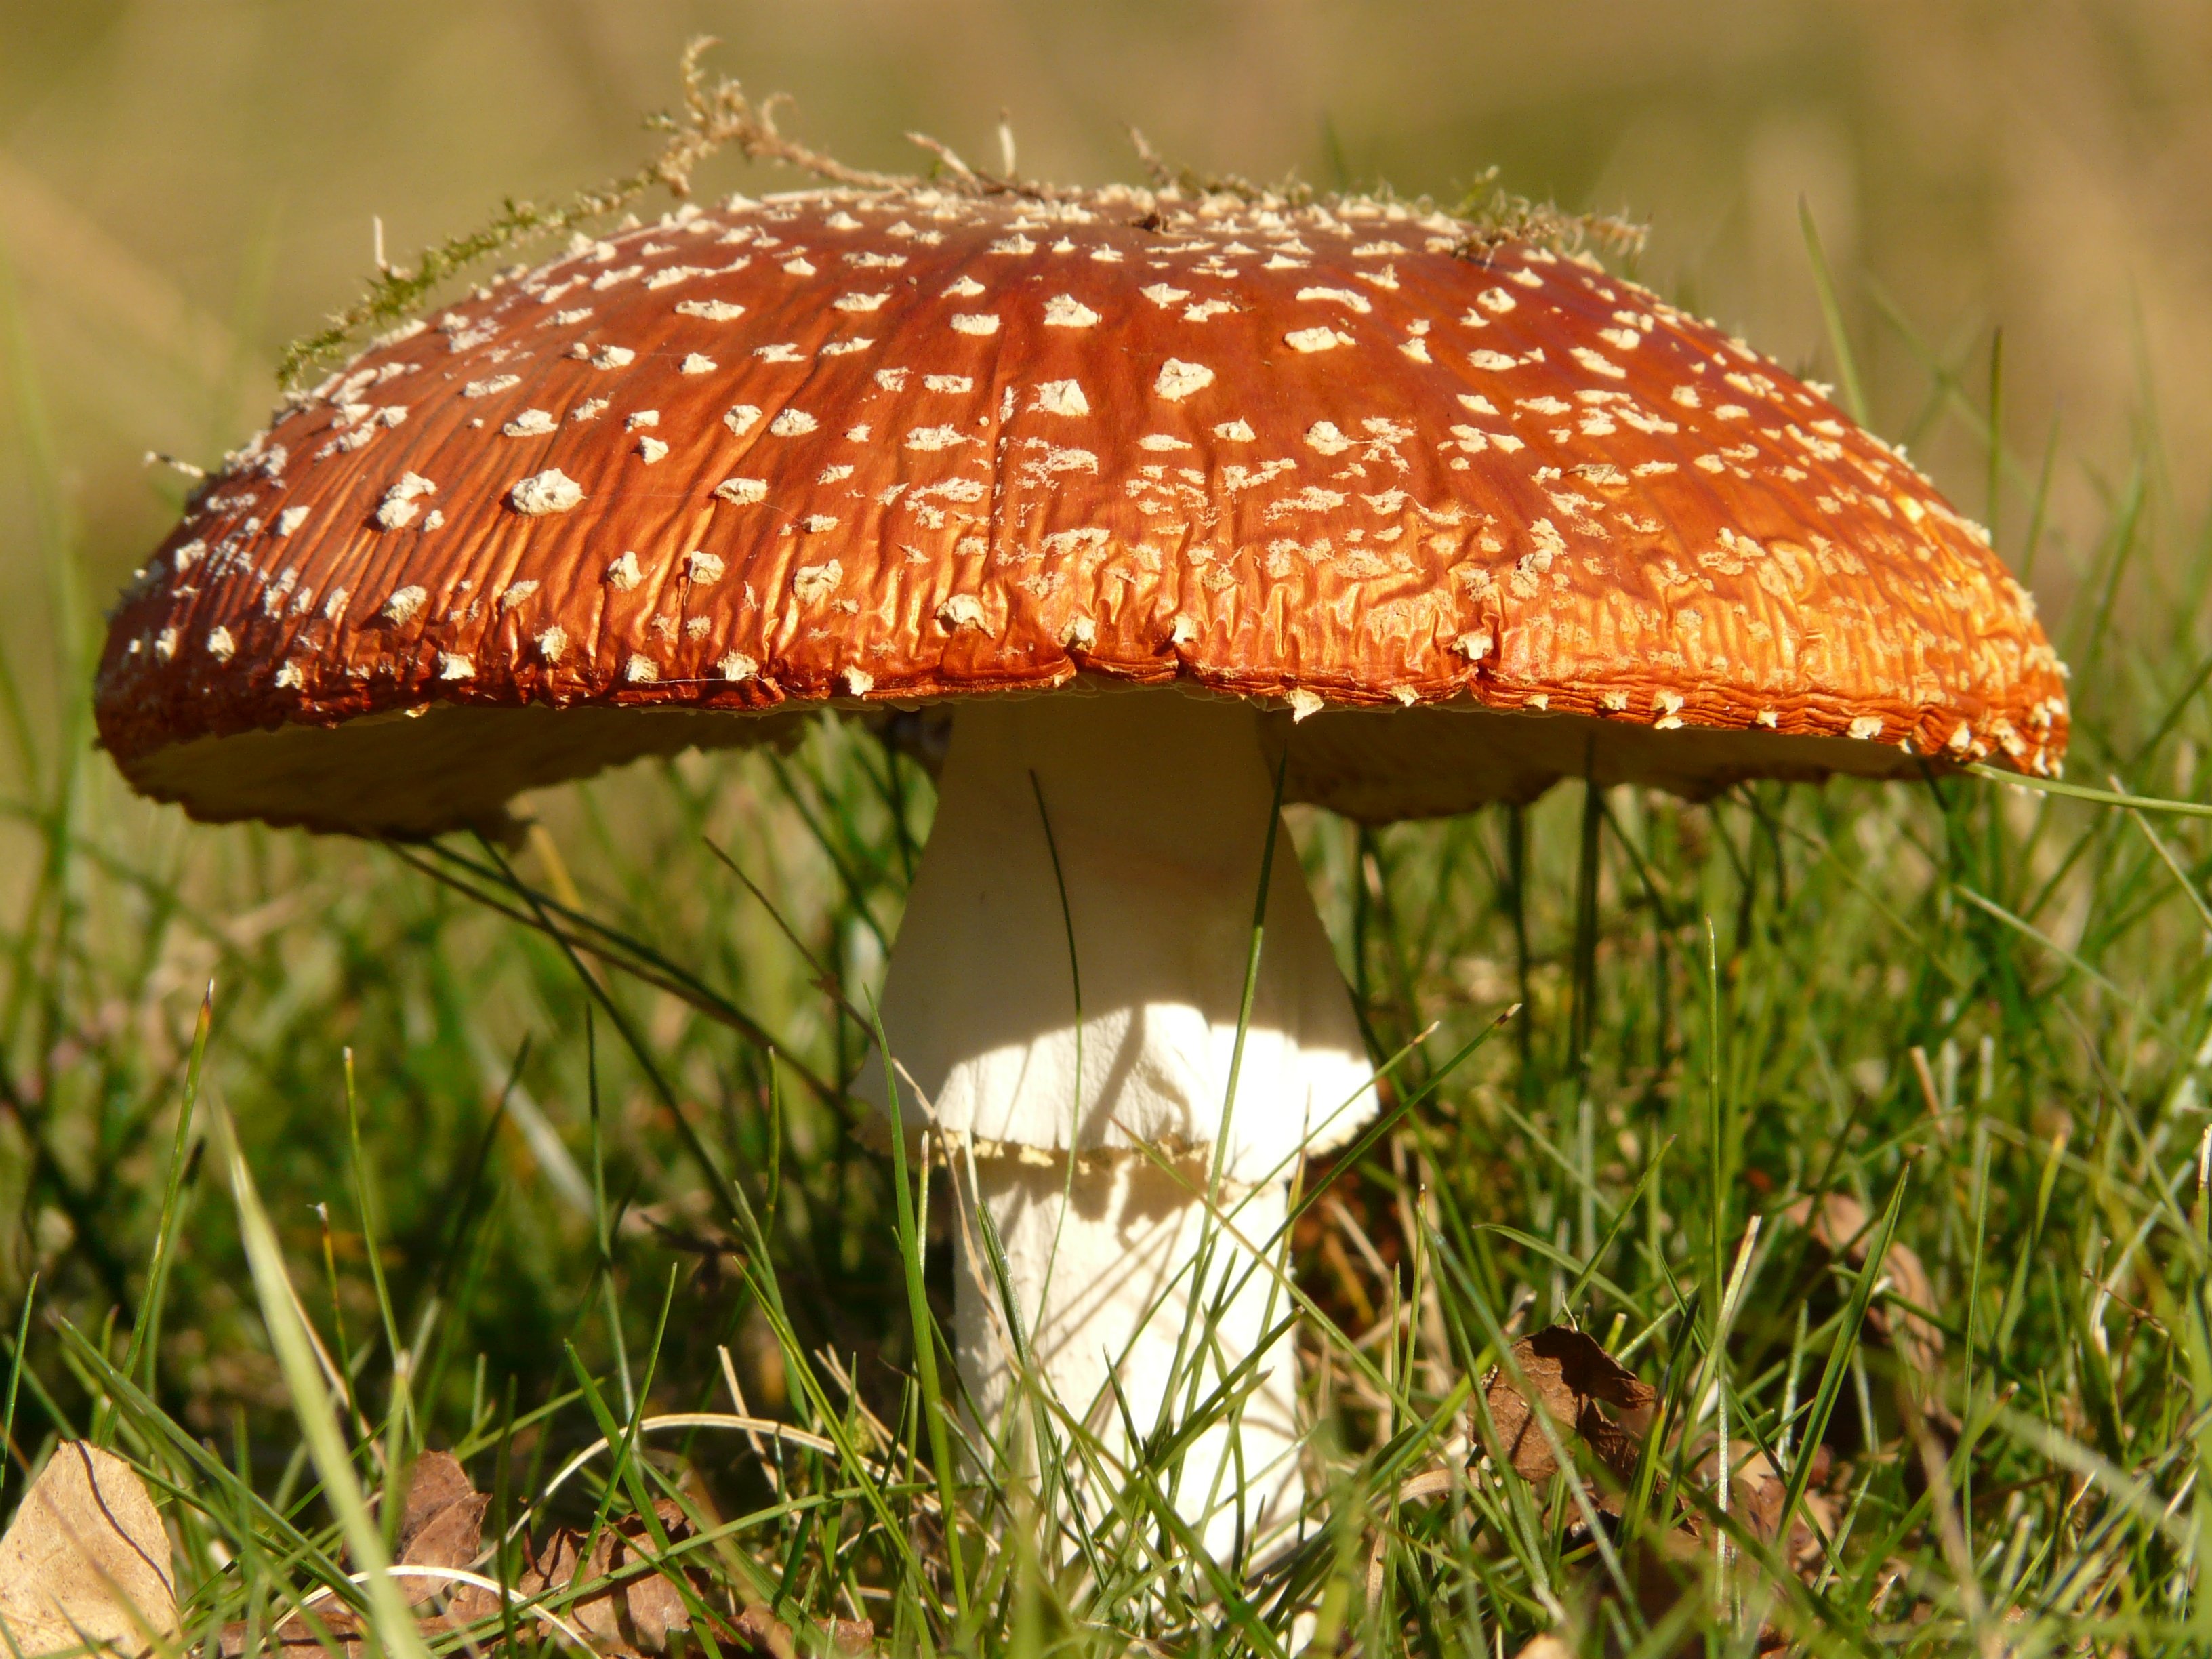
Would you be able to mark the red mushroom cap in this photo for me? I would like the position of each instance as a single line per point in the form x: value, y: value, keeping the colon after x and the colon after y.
x: 903, y: 445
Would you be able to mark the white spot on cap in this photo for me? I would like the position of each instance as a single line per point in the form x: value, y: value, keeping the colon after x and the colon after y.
x: 516, y: 593
x: 1325, y: 436
x: 165, y: 644
x: 704, y: 569
x: 486, y: 388
x: 695, y: 363
x: 552, y: 642
x: 815, y: 524
x: 892, y: 380
x: 791, y: 424
x: 651, y: 450
x: 1160, y: 295
x: 1014, y: 244
x: 1866, y: 726
x: 736, y: 665
x: 640, y: 669
x: 934, y: 437
x: 220, y: 645
x: 1492, y: 363
x: 1062, y: 397
x: 531, y: 424
x: 1342, y: 296
x: 288, y: 675
x: 860, y: 301
x: 1474, y: 647
x: 1961, y: 739
x: 948, y: 383
x: 607, y: 356
x: 401, y: 607
x: 811, y: 581
x: 960, y: 610
x: 550, y: 491
x: 1184, y: 631
x: 1686, y: 395
x: 742, y: 491
x: 966, y: 289
x: 740, y: 420
x: 976, y: 322
x: 290, y: 519
x: 1497, y: 301
x: 1080, y: 634
x: 1206, y: 308
x: 1234, y: 432
x: 1598, y: 363
x: 798, y: 267
x: 1302, y: 703
x: 590, y: 410
x: 1066, y: 311
x: 857, y: 434
x: 1177, y: 379
x: 858, y: 681
x: 1316, y: 339
x: 1162, y: 442
x: 622, y: 574
x: 713, y: 311
x: 454, y: 665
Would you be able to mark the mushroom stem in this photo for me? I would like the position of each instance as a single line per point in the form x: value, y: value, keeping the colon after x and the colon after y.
x: 1067, y: 981
x: 1119, y: 1329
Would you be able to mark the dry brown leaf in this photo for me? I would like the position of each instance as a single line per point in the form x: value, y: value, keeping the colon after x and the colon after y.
x: 86, y: 1559
x: 630, y: 1617
x: 441, y: 1525
x: 1840, y: 1225
x: 1756, y: 1490
x: 1570, y: 1374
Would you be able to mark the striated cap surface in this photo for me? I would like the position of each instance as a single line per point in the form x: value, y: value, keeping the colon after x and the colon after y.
x: 859, y: 448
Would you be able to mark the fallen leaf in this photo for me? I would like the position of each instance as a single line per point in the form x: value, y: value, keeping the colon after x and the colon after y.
x: 1840, y: 1225
x: 634, y: 1615
x: 1756, y: 1489
x: 1570, y: 1374
x: 86, y: 1559
x: 441, y: 1525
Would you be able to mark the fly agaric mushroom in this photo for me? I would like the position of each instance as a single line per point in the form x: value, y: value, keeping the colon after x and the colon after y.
x: 1426, y: 517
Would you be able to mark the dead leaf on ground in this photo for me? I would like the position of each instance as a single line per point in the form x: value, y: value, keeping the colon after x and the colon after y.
x: 1756, y: 1489
x: 1572, y: 1377
x: 1839, y: 1224
x: 441, y: 1526
x: 86, y: 1559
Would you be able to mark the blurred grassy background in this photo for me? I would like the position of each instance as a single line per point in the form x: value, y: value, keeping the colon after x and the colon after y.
x: 184, y: 185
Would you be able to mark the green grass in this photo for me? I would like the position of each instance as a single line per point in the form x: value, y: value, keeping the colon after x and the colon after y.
x: 556, y: 1153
